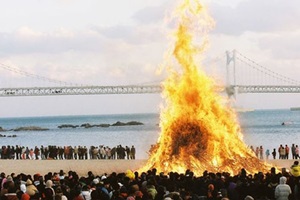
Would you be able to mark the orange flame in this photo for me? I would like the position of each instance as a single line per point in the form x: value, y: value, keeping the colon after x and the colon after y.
x: 198, y: 132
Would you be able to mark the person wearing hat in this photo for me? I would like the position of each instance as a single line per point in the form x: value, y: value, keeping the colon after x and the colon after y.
x: 295, y: 169
x: 283, y: 190
x: 36, y: 180
x: 31, y: 190
x: 9, y: 191
x: 49, y: 191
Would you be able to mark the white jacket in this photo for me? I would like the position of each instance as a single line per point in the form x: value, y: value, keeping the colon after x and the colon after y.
x: 282, y: 191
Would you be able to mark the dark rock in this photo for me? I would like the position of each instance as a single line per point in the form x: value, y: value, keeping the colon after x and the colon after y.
x: 118, y: 123
x: 104, y: 125
x: 87, y: 125
x: 68, y: 126
x: 30, y: 128
x: 131, y: 123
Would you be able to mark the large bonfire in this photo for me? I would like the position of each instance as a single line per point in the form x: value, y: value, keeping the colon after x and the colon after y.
x: 198, y: 131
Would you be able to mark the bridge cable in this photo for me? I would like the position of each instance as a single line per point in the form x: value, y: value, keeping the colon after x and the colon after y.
x: 27, y: 74
x: 265, y: 70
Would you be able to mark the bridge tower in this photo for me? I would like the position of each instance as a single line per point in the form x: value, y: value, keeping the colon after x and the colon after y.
x: 230, y: 87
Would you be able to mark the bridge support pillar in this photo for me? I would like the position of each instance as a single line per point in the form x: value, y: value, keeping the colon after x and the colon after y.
x: 230, y: 90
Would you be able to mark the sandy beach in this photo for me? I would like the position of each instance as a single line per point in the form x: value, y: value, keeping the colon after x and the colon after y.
x: 82, y: 167
x: 98, y: 167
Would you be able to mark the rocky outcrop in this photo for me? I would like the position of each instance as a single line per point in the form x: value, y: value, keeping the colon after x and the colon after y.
x: 68, y: 126
x: 30, y: 128
x: 134, y: 123
x: 11, y: 135
x: 131, y: 123
x: 87, y: 125
x: 8, y: 135
x: 104, y: 125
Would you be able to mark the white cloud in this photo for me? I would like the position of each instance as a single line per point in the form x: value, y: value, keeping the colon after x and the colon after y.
x: 123, y: 42
x: 256, y: 16
x: 152, y: 14
x: 282, y: 45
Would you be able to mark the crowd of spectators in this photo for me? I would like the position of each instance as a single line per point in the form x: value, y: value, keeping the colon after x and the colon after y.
x: 152, y: 185
x: 67, y: 152
x: 282, y: 152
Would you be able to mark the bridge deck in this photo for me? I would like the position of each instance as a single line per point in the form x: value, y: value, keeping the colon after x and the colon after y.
x: 80, y: 90
x: 136, y: 89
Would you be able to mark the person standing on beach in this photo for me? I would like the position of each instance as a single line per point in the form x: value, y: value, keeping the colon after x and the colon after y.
x: 267, y: 154
x: 18, y: 152
x: 42, y: 150
x: 287, y: 151
x: 75, y: 153
x: 252, y: 148
x: 279, y: 151
x: 261, y: 153
x: 132, y: 152
x: 37, y: 152
x: 113, y: 153
x: 85, y: 153
x: 31, y: 154
x: 257, y: 151
x: 27, y: 153
x: 293, y: 149
x: 297, y: 152
x: 274, y: 154
x: 102, y: 152
x: 282, y: 152
x: 127, y: 149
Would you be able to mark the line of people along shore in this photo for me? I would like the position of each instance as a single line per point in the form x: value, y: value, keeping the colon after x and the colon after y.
x: 282, y: 152
x: 119, y: 152
x: 67, y: 152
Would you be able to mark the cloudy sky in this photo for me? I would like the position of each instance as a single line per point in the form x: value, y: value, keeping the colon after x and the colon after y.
x: 122, y: 42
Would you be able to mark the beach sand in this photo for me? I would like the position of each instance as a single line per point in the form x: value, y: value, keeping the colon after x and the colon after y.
x: 98, y: 167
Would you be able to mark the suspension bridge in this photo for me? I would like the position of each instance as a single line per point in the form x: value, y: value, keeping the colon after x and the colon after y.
x: 240, y: 71
x: 265, y: 81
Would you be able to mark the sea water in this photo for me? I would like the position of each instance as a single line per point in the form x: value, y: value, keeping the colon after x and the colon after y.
x: 270, y: 128
x: 259, y: 128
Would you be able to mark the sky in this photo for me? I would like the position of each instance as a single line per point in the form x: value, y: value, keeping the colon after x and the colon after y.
x: 123, y: 42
